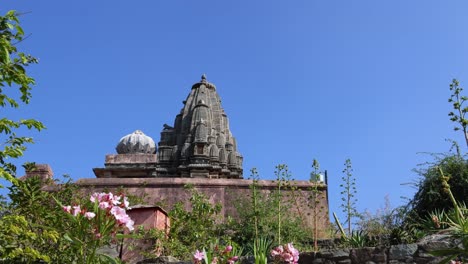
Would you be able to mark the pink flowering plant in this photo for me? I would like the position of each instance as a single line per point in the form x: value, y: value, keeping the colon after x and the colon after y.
x: 95, y: 223
x: 285, y: 254
x: 215, y: 255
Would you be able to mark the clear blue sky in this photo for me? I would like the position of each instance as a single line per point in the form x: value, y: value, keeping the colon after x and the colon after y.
x: 331, y: 80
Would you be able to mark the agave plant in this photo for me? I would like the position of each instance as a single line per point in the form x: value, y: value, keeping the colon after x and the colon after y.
x: 435, y: 221
x: 458, y: 226
x: 357, y: 239
x: 260, y: 250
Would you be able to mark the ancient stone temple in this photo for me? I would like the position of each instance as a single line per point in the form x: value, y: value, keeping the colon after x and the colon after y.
x: 200, y: 144
x: 200, y: 151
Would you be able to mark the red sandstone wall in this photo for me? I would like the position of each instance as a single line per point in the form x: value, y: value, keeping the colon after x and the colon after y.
x: 165, y: 192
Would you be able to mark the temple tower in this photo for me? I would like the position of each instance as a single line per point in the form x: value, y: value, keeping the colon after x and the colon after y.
x: 200, y: 144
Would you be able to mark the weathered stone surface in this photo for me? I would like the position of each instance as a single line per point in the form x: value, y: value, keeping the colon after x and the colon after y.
x: 345, y: 261
x: 308, y: 257
x: 42, y: 171
x: 200, y: 140
x: 128, y: 159
x: 136, y: 142
x: 224, y: 191
x: 316, y: 261
x: 432, y: 260
x: 373, y: 254
x: 325, y: 244
x: 401, y: 252
x: 434, y: 242
x: 360, y: 255
x: 335, y: 254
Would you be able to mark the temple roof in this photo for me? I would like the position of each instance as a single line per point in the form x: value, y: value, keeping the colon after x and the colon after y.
x: 199, y: 145
x: 200, y: 136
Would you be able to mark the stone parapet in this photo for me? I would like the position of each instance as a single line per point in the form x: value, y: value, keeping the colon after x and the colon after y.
x: 196, y: 182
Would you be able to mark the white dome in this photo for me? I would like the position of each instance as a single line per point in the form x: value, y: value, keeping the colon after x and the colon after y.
x: 135, y: 143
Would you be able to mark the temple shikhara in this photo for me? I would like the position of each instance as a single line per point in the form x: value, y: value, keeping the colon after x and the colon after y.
x: 199, y: 145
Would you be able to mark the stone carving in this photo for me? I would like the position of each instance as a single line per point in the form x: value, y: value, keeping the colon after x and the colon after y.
x: 136, y: 142
x: 203, y: 117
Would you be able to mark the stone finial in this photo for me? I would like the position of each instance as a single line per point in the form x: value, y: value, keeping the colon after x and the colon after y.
x: 203, y: 78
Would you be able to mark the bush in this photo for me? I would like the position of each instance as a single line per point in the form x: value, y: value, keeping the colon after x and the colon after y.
x: 430, y: 196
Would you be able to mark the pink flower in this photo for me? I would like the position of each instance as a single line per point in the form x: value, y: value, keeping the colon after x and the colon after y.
x: 198, y: 256
x: 89, y: 215
x: 228, y: 249
x: 118, y: 212
x: 115, y: 200
x: 104, y: 205
x: 129, y: 224
x: 233, y: 259
x: 122, y: 217
x: 286, y: 253
x: 93, y: 197
x: 287, y: 257
x: 126, y: 203
x: 76, y: 210
x: 215, y: 260
x: 277, y: 251
x: 67, y: 209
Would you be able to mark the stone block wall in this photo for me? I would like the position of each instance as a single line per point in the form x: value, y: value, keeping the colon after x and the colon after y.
x: 417, y: 253
x: 398, y: 254
x: 165, y: 192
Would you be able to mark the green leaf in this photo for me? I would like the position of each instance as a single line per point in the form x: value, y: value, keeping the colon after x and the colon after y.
x: 5, y: 55
x: 67, y: 237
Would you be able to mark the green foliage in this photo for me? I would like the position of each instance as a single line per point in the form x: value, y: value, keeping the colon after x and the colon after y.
x: 43, y: 231
x: 458, y: 225
x: 434, y: 221
x: 357, y: 239
x: 282, y: 174
x: 261, y: 247
x: 348, y: 194
x: 458, y: 115
x: 430, y: 195
x: 427, y: 211
x: 17, y: 240
x: 13, y: 75
x: 258, y: 214
x: 387, y: 227
x: 33, y: 211
x: 192, y: 229
x: 218, y: 253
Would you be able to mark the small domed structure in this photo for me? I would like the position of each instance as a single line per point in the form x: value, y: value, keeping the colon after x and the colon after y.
x: 136, y: 143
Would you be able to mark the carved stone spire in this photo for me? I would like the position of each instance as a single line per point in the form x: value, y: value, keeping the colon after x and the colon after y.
x: 201, y: 129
